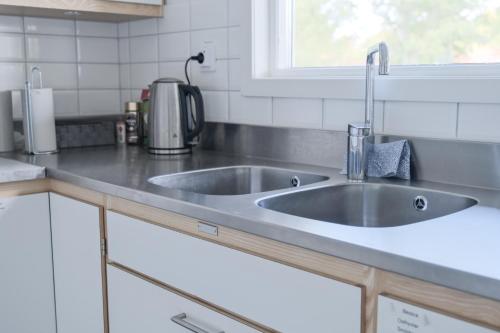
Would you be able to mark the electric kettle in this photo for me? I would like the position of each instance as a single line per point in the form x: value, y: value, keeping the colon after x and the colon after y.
x: 174, y: 121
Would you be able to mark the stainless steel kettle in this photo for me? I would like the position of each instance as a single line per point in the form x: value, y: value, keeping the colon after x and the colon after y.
x: 172, y: 123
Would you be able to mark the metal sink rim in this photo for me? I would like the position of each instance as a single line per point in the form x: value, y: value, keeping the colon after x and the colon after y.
x: 322, y: 176
x: 258, y: 202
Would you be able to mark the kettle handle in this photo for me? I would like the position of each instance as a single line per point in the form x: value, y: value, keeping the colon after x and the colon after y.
x: 195, y: 92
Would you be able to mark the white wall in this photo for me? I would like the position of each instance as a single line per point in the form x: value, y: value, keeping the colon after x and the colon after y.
x: 79, y: 60
x: 95, y: 67
x: 188, y: 22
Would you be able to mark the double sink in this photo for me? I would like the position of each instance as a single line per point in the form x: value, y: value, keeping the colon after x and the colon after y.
x: 352, y: 204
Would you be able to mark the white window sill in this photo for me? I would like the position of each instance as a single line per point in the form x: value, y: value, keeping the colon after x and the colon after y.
x: 429, y: 89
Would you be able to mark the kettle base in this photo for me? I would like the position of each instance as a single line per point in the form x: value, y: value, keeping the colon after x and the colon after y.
x: 169, y: 151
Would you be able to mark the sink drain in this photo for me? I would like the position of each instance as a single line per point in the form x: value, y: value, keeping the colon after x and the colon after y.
x: 295, y: 181
x: 420, y: 203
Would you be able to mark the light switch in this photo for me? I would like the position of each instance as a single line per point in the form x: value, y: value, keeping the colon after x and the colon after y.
x: 208, y: 49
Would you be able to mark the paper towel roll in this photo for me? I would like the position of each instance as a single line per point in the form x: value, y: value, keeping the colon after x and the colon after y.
x: 43, y: 121
x: 6, y: 122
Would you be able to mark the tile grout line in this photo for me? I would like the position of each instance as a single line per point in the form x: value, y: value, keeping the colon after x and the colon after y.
x: 228, y: 116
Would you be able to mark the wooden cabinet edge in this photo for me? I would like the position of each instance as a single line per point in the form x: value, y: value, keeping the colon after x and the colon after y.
x: 469, y: 307
x: 24, y: 187
x: 89, y: 9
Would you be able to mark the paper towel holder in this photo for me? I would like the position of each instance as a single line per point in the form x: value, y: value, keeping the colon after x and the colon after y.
x: 38, y: 142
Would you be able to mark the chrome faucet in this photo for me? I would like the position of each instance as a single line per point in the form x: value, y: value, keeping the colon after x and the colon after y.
x: 361, y: 135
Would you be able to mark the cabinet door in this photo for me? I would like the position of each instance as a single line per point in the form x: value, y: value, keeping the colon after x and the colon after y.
x: 136, y: 305
x: 395, y: 316
x: 77, y: 265
x: 26, y: 279
x: 281, y: 297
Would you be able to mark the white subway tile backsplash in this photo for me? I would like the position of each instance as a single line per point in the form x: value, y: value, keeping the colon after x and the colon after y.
x: 125, y: 76
x: 338, y: 114
x: 175, y: 18
x: 123, y: 29
x: 37, y: 25
x: 11, y: 24
x: 12, y: 47
x: 235, y: 42
x: 298, y: 112
x: 96, y: 29
x: 144, y: 49
x: 12, y: 77
x: 213, y: 80
x: 97, y: 50
x: 217, y: 36
x: 102, y: 76
x: 437, y: 120
x: 50, y: 48
x: 56, y: 76
x: 125, y: 96
x: 234, y: 74
x: 124, y: 50
x: 174, y: 46
x: 142, y: 75
x: 250, y: 110
x: 173, y: 69
x: 143, y: 27
x: 236, y: 10
x: 99, y: 102
x: 479, y: 122
x: 66, y: 102
x: 216, y: 106
x: 207, y: 14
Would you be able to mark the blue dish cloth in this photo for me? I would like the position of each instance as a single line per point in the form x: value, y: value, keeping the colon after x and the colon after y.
x: 387, y: 160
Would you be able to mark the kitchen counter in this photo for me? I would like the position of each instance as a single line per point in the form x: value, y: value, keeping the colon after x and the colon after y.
x: 460, y: 251
x: 14, y: 171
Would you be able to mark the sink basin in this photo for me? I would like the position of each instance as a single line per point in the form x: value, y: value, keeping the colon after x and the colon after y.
x: 368, y: 205
x: 237, y: 180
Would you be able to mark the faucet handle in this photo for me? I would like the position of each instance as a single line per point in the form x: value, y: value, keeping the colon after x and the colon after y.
x: 359, y: 129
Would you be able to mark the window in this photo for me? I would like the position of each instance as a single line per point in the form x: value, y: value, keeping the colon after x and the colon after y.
x: 318, y: 37
x: 441, y: 50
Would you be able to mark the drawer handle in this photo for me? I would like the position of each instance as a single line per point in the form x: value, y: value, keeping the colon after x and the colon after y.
x: 180, y: 320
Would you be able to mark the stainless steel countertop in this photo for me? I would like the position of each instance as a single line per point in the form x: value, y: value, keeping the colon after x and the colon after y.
x: 460, y: 251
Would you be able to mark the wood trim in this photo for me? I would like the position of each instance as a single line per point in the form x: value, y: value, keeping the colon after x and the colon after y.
x: 76, y: 192
x: 104, y: 269
x: 454, y: 303
x: 89, y: 9
x: 24, y: 188
x: 450, y: 302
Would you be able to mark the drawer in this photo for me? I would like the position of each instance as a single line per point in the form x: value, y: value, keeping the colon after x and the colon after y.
x: 395, y: 316
x: 277, y: 296
x: 136, y: 305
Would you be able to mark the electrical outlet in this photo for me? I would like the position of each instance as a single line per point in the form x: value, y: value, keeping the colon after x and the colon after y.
x: 208, y: 50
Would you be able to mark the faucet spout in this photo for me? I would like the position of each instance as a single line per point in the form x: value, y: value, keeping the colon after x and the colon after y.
x: 383, y: 69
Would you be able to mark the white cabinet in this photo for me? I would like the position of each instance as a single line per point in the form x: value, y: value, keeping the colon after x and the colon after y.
x: 394, y: 316
x: 136, y: 305
x: 277, y: 296
x: 26, y: 279
x: 142, y: 2
x: 77, y: 265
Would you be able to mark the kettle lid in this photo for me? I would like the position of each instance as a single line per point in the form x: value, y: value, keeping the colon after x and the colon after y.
x: 168, y: 80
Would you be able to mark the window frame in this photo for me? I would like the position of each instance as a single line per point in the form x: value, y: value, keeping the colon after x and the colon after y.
x: 263, y: 73
x: 281, y: 55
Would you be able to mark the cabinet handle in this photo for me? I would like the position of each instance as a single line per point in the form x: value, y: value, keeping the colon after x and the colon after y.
x: 180, y: 320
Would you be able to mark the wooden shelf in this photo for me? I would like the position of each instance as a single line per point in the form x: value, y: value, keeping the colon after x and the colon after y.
x: 98, y: 10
